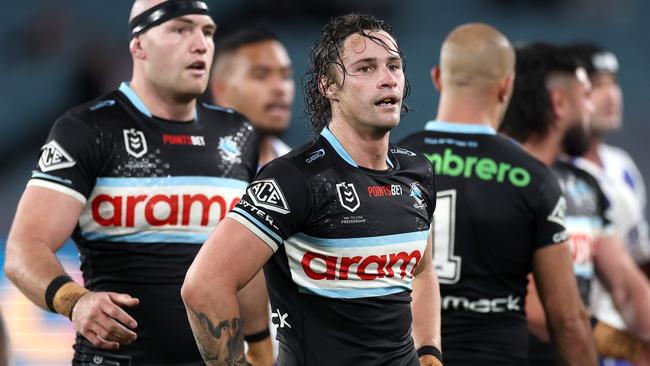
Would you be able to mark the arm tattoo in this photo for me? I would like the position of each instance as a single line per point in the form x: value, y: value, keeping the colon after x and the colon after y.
x: 221, y: 344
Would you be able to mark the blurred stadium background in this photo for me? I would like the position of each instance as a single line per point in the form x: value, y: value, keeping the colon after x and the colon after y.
x: 56, y: 54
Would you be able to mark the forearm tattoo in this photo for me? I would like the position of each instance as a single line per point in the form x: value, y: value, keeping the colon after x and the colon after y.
x: 221, y: 344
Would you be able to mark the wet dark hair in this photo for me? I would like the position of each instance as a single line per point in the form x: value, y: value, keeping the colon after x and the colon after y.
x: 530, y: 111
x: 325, y: 56
x: 232, y: 41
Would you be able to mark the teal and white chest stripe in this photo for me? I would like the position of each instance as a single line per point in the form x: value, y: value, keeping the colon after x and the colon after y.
x: 355, y: 267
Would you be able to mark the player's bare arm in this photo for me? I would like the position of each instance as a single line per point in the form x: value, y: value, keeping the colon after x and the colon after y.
x: 210, y: 294
x: 566, y: 318
x: 44, y: 220
x: 426, y: 307
x: 627, y: 284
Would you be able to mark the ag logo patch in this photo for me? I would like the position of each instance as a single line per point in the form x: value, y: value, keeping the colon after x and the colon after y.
x: 135, y: 143
x: 54, y: 157
x: 348, y: 196
x: 267, y: 194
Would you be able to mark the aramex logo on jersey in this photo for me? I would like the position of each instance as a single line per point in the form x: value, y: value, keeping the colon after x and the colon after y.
x: 267, y: 194
x: 348, y: 196
x: 135, y: 143
x: 366, y: 268
x: 54, y: 157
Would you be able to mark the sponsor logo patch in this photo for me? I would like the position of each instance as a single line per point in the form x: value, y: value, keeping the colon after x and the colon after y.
x: 388, y: 190
x: 183, y: 140
x: 102, y: 104
x: 135, y: 143
x: 282, y: 319
x: 402, y: 151
x: 54, y: 157
x: 348, y: 196
x: 267, y: 194
x: 315, y: 155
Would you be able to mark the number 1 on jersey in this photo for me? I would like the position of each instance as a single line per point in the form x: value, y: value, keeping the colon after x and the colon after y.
x: 443, y: 232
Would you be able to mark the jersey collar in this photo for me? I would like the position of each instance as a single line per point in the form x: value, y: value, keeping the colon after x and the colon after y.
x: 457, y: 127
x: 137, y: 102
x: 329, y: 136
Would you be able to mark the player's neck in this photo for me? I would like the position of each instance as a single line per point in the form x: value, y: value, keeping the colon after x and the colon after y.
x: 469, y: 109
x: 546, y: 149
x: 161, y: 104
x: 267, y: 152
x: 592, y: 151
x: 366, y: 149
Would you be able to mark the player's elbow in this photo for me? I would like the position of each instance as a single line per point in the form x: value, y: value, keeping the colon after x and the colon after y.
x: 12, y: 267
x: 570, y: 325
x: 191, y: 291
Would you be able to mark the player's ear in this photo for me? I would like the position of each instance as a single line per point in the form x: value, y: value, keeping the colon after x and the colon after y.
x: 328, y: 88
x: 558, y: 102
x: 435, y: 77
x: 505, y: 88
x: 136, y: 49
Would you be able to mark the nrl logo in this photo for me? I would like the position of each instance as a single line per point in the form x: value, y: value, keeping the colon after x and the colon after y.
x: 54, y: 157
x: 135, y: 143
x: 348, y: 196
x: 267, y: 194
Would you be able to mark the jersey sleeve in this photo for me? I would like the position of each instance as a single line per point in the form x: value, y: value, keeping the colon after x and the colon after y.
x: 69, y: 161
x: 550, y: 227
x: 276, y: 204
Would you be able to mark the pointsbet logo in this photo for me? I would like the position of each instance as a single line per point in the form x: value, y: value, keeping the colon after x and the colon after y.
x: 454, y: 165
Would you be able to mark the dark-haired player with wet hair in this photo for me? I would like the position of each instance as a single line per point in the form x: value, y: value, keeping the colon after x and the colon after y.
x: 343, y: 222
x: 139, y: 177
x: 500, y: 215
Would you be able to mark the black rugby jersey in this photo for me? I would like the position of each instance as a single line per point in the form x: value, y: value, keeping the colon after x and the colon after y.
x: 152, y: 191
x: 496, y: 206
x: 586, y: 221
x: 346, y: 242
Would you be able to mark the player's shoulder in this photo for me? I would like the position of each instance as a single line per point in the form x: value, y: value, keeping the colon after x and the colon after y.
x: 211, y: 113
x: 513, y: 149
x: 614, y: 155
x: 408, y: 159
x: 91, y: 113
x: 567, y: 169
x: 304, y: 160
